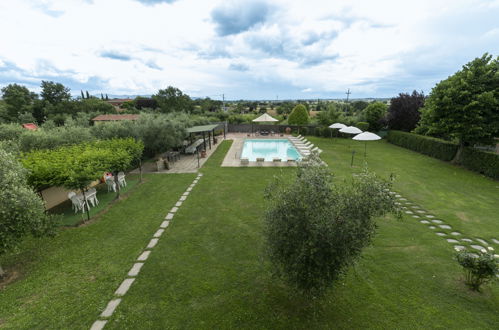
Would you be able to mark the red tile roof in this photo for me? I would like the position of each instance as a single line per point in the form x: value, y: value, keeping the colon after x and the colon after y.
x: 115, y: 117
x: 30, y: 126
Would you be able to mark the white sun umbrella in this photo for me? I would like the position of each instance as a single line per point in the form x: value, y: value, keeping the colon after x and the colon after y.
x: 350, y: 130
x: 337, y: 125
x: 366, y: 136
x: 265, y: 118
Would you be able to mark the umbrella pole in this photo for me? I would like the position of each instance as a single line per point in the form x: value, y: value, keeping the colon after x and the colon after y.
x: 353, y: 154
x: 365, y: 149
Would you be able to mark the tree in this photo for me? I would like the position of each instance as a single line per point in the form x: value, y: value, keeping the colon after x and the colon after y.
x: 18, y: 99
x: 82, y: 95
x: 314, y: 229
x: 404, y: 111
x: 358, y: 106
x: 54, y: 93
x: 373, y: 114
x: 88, y: 95
x: 465, y: 106
x: 299, y: 115
x: 330, y: 115
x: 478, y: 269
x: 172, y: 99
x: 285, y: 108
x: 22, y: 210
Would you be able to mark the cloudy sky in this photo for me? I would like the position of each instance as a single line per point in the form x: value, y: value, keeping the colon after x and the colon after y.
x: 256, y: 49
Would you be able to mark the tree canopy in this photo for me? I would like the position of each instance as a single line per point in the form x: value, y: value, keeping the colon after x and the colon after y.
x: 299, y: 115
x: 18, y: 99
x: 54, y: 93
x: 465, y: 106
x: 404, y: 111
x: 172, y: 99
x: 373, y: 114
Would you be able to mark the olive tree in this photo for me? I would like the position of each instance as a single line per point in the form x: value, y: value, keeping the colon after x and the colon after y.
x: 315, y: 229
x: 21, y: 209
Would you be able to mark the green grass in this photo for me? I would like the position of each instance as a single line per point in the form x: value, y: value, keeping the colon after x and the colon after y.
x: 70, y: 218
x: 208, y: 271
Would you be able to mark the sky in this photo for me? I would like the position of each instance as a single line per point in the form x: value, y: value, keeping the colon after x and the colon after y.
x: 281, y: 49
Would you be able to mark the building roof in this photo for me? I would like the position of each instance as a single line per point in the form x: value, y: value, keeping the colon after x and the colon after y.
x: 204, y: 128
x: 30, y: 126
x: 115, y: 117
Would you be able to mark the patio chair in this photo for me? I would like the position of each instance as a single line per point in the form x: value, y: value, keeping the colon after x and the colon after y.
x: 121, y: 179
x: 260, y: 160
x: 276, y: 160
x: 71, y: 194
x: 291, y: 161
x: 78, y: 203
x: 244, y: 161
x: 110, y: 184
x: 91, y: 196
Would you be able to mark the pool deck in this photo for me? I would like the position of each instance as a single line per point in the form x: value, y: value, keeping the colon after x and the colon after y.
x: 232, y: 159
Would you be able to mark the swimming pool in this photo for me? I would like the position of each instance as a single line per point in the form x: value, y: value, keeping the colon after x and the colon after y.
x: 269, y: 149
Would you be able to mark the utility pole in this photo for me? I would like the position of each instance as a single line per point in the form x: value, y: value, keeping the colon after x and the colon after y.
x: 348, y: 94
x: 223, y: 102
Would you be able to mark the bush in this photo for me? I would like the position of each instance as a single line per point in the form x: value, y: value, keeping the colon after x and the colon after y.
x: 433, y: 147
x: 303, y: 130
x: 299, y: 116
x: 362, y: 125
x: 478, y: 269
x: 315, y: 230
x: 10, y: 131
x: 373, y: 114
x: 483, y: 162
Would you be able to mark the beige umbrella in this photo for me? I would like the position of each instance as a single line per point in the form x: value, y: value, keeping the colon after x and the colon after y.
x: 265, y: 118
x: 366, y: 136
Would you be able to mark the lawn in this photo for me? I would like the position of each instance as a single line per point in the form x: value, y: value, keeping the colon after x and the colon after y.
x: 208, y: 271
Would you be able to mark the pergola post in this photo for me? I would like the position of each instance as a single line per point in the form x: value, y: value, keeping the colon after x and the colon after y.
x: 224, y: 131
x: 209, y: 139
x: 204, y: 141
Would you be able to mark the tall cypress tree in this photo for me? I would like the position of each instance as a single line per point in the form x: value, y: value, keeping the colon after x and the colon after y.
x: 88, y: 95
x: 82, y: 95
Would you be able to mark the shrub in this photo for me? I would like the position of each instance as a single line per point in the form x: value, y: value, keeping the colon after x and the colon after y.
x: 478, y: 269
x: 483, y: 162
x: 10, y: 131
x: 433, y: 147
x: 303, y: 130
x: 362, y: 125
x: 314, y: 230
x: 373, y: 114
x: 299, y: 115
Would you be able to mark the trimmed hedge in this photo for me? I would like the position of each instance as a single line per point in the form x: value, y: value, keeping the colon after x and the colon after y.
x: 362, y: 125
x: 433, y: 147
x: 483, y: 162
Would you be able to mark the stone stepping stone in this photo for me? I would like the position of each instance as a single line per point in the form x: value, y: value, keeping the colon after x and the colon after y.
x: 478, y: 247
x: 432, y: 227
x: 186, y: 193
x: 424, y: 221
x: 174, y: 209
x: 189, y: 189
x: 409, y: 212
x: 445, y: 226
x: 442, y: 234
x: 111, y: 306
x: 437, y: 221
x: 459, y: 247
x: 123, y: 288
x: 495, y: 241
x: 164, y: 224
x: 397, y: 203
x: 403, y: 199
x: 482, y: 241
x: 392, y: 193
x: 408, y: 203
x: 415, y: 216
x: 135, y: 269
x: 421, y: 211
x: 169, y: 216
x: 496, y: 256
x: 98, y: 325
x: 398, y: 196
x: 430, y: 216
x: 152, y: 243
x: 467, y: 240
x: 451, y: 240
x: 182, y: 198
x: 159, y: 232
x: 490, y: 248
x: 178, y: 204
x: 455, y: 233
x: 144, y: 256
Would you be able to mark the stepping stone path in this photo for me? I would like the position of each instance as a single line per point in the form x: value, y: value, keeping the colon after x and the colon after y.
x: 432, y: 227
x: 459, y: 247
x: 455, y: 233
x: 425, y: 222
x: 134, y: 271
x: 430, y: 216
x: 482, y: 241
x: 409, y: 212
x: 442, y: 234
x: 415, y: 216
x: 451, y: 240
x: 478, y: 247
x: 467, y: 240
x: 445, y: 226
x: 437, y: 221
x: 495, y: 241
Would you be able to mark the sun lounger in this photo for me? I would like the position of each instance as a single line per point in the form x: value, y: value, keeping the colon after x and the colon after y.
x: 244, y: 161
x: 276, y: 160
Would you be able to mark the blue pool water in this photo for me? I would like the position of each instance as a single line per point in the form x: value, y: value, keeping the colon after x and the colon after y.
x: 269, y: 149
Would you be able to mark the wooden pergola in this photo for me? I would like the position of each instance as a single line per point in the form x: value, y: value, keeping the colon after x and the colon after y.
x: 205, y: 130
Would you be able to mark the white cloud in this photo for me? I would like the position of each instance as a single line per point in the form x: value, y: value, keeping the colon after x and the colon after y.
x: 314, y: 47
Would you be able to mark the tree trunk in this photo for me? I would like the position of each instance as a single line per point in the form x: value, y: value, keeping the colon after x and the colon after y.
x: 85, y: 203
x: 2, y: 272
x: 457, y: 157
x: 117, y: 183
x: 140, y: 170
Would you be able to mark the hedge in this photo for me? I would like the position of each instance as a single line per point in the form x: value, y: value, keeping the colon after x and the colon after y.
x: 483, y: 162
x: 433, y: 147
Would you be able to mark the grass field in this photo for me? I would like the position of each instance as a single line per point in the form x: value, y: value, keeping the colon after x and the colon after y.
x: 208, y: 270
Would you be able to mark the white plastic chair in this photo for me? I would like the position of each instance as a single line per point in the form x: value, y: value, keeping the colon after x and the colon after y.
x: 110, y: 184
x: 78, y: 203
x: 91, y: 196
x: 121, y: 179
